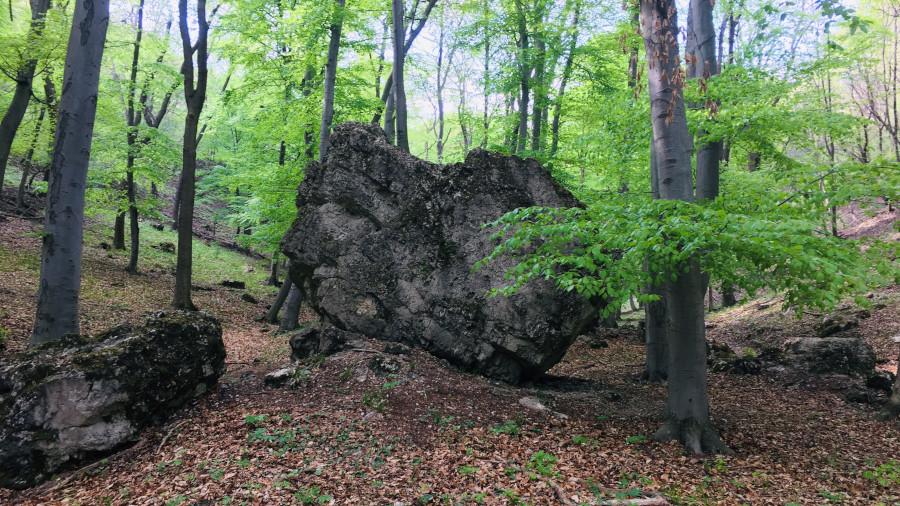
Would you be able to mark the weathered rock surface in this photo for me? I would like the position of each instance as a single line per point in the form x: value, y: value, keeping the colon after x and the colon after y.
x: 384, y: 246
x: 319, y: 340
x: 844, y: 355
x: 83, y: 397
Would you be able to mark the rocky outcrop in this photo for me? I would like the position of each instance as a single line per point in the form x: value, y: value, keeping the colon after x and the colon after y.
x: 384, y: 245
x: 843, y: 355
x: 84, y: 397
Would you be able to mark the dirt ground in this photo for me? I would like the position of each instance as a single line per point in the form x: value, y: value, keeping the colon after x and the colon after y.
x: 430, y: 434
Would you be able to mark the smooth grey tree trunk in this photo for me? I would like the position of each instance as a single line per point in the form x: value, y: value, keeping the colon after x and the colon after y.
x: 728, y: 296
x: 524, y: 77
x: 12, y: 119
x: 390, y: 126
x: 133, y: 119
x: 566, y: 75
x: 272, y: 280
x: 397, y: 71
x: 27, y: 165
x: 291, y: 309
x: 701, y: 65
x: 413, y: 33
x: 334, y: 46
x: 657, y: 366
x: 195, y: 82
x: 272, y: 315
x: 540, y: 89
x: 119, y: 227
x: 687, y: 406
x: 657, y: 351
x: 60, y: 280
x: 485, y: 120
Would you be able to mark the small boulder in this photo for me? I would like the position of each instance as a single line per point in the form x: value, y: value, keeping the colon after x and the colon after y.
x: 532, y: 403
x: 386, y: 365
x: 721, y: 358
x: 835, y: 323
x: 397, y: 349
x: 316, y: 340
x: 280, y: 377
x: 84, y: 397
x: 843, y: 355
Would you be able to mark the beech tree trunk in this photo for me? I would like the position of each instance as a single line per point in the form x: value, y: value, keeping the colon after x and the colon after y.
x: 27, y: 166
x: 656, y: 369
x: 657, y: 365
x: 133, y: 119
x: 397, y: 72
x: 566, y: 75
x: 119, y: 228
x: 12, y: 119
x: 60, y: 280
x: 390, y: 126
x: 272, y: 315
x: 291, y: 309
x: 272, y: 280
x: 485, y: 119
x: 540, y: 90
x: 194, y: 97
x: 701, y: 65
x: 728, y: 297
x: 441, y: 80
x: 524, y: 77
x: 687, y: 405
x: 334, y: 45
x: 413, y: 33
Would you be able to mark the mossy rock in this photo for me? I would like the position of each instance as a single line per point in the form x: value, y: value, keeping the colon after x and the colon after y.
x: 86, y: 396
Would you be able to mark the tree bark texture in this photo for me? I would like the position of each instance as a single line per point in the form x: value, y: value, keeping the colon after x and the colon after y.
x: 397, y: 72
x: 334, y: 45
x: 60, y: 279
x: 687, y: 405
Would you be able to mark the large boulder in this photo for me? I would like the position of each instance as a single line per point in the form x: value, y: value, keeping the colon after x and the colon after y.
x: 83, y: 397
x: 384, y: 245
x: 843, y: 355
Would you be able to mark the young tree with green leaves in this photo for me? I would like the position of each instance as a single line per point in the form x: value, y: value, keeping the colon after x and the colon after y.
x: 24, y: 76
x: 195, y: 82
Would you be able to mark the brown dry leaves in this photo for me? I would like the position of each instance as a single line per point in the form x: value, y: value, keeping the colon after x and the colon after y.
x: 350, y: 436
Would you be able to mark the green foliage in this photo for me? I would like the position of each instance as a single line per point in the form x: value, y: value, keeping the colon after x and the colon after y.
x: 885, y: 475
x: 543, y: 463
x: 636, y: 439
x: 312, y: 495
x: 375, y: 400
x: 510, y: 427
x: 617, y: 246
x: 467, y: 470
x: 255, y: 420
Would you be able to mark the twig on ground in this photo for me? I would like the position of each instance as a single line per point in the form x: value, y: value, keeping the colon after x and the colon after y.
x: 168, y: 434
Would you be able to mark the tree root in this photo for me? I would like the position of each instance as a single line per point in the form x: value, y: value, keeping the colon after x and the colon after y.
x: 698, y: 438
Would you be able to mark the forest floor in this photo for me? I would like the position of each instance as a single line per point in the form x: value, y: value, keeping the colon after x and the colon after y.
x: 428, y: 433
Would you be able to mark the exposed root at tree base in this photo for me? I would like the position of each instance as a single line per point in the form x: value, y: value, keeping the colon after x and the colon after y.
x: 700, y: 438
